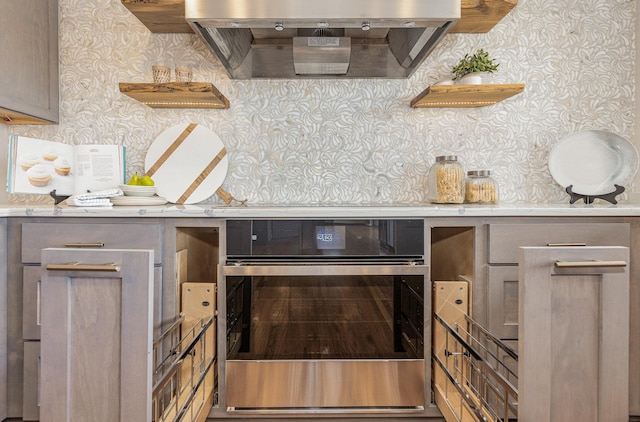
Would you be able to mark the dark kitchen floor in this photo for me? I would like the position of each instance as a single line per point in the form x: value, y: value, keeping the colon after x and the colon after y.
x: 322, y: 318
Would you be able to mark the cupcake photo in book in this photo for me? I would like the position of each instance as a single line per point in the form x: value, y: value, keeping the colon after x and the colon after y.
x: 38, y: 166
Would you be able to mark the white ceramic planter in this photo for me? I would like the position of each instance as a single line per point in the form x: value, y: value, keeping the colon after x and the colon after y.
x: 474, y: 78
x: 445, y: 82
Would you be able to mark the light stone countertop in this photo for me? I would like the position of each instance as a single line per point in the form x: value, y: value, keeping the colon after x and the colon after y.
x: 326, y: 210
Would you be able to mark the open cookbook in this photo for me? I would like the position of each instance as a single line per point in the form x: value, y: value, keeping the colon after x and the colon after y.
x: 37, y: 166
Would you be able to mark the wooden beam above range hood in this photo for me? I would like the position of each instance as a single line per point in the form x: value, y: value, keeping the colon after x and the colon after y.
x: 167, y: 16
x: 480, y: 16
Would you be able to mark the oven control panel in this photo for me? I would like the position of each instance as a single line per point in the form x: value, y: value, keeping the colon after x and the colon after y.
x: 342, y: 238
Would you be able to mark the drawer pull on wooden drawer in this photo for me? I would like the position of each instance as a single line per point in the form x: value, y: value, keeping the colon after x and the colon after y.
x: 589, y: 264
x: 567, y: 244
x: 76, y: 266
x: 84, y: 245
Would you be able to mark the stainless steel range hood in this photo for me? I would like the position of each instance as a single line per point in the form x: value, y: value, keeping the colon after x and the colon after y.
x: 321, y: 38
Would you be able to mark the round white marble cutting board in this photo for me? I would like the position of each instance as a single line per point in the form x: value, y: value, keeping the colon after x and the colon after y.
x: 188, y: 163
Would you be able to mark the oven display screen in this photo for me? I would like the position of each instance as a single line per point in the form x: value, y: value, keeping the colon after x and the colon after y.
x: 330, y: 237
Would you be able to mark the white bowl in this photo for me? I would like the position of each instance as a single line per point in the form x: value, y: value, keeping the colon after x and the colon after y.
x: 138, y: 190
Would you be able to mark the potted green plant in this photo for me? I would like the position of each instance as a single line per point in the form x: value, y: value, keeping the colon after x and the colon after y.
x: 469, y: 68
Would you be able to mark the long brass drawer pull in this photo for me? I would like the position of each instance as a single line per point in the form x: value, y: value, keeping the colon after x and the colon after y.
x: 84, y: 245
x: 567, y: 244
x: 76, y: 266
x: 589, y: 264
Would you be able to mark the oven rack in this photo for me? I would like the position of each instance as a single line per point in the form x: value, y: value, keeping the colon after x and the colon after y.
x: 471, y: 380
x: 184, y: 377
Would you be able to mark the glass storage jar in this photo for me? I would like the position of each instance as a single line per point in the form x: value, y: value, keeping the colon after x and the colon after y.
x: 480, y: 188
x: 446, y: 181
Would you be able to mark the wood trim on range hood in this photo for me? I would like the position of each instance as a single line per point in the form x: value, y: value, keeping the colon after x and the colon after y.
x: 168, y: 17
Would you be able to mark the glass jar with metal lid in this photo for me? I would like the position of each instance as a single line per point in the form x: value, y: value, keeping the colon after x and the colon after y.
x: 480, y: 188
x: 446, y: 181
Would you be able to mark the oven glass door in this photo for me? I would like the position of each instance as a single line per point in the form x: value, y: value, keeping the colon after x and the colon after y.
x: 316, y: 330
x: 320, y: 317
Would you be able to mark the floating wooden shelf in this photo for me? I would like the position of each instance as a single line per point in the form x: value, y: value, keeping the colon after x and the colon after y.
x: 10, y: 117
x: 465, y: 96
x: 160, y: 16
x: 176, y: 95
x: 167, y: 16
x: 479, y: 16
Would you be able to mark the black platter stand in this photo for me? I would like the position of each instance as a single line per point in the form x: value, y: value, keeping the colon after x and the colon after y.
x: 588, y: 199
x: 57, y: 198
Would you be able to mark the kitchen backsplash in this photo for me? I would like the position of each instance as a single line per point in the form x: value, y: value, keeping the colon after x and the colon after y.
x: 358, y: 141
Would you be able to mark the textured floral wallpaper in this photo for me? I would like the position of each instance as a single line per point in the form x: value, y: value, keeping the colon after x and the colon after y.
x: 358, y: 141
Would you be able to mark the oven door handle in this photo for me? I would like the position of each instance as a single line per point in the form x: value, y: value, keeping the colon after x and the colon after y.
x: 314, y: 270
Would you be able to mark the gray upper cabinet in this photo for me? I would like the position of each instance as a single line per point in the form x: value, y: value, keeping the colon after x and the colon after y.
x: 29, y: 61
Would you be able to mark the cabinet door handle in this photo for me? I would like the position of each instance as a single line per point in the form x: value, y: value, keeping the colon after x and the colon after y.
x: 589, y: 264
x: 76, y: 266
x: 567, y: 244
x: 38, y: 301
x: 84, y: 245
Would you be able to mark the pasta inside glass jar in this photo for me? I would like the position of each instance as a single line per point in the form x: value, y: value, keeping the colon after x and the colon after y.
x: 480, y: 188
x: 446, y: 181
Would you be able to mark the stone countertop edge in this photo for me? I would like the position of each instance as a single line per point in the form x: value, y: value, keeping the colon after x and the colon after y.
x: 325, y: 210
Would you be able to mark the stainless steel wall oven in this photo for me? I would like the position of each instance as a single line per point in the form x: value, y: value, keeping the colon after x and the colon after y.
x: 327, y: 315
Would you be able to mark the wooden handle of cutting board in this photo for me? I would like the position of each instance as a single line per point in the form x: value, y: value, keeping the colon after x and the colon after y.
x: 227, y: 197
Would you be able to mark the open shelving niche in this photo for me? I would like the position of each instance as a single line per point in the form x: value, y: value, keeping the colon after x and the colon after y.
x: 167, y: 16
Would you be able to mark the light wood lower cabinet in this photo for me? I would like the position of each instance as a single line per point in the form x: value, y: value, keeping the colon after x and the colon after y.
x: 505, y: 236
x: 32, y: 297
x: 3, y: 319
x: 502, y: 269
x: 573, y: 360
x: 31, y: 400
x: 504, y: 239
x: 31, y: 319
x: 503, y: 301
x: 31, y: 302
x: 495, y: 268
x: 96, y: 336
x: 89, y: 236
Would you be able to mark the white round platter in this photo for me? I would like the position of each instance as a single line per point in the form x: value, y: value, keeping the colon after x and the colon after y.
x: 593, y: 161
